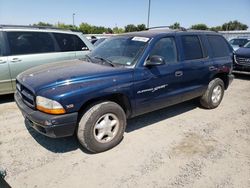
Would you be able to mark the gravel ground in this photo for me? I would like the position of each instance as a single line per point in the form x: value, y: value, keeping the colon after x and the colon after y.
x: 180, y: 146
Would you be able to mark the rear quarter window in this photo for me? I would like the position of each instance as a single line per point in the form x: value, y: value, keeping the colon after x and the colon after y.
x: 69, y: 42
x: 219, y: 46
x: 191, y: 47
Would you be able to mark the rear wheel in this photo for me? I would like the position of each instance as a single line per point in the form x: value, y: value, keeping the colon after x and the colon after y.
x: 102, y: 126
x: 213, y: 95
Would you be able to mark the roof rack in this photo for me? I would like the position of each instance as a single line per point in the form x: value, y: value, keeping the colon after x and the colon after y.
x: 35, y: 27
x: 169, y: 27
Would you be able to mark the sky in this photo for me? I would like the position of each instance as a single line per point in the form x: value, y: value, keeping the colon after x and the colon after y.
x: 111, y: 13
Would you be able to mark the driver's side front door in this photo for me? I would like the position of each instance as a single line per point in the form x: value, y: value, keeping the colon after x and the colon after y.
x: 160, y: 85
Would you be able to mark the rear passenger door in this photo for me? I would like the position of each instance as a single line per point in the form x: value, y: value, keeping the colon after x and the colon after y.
x: 28, y: 49
x: 194, y: 58
x: 221, y: 54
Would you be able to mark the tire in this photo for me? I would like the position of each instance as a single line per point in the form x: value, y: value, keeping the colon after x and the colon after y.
x: 213, y: 95
x: 102, y: 126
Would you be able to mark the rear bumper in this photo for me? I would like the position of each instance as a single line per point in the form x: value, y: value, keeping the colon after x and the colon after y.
x: 50, y: 125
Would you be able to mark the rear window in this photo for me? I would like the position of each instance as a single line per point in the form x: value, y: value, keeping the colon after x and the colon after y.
x: 218, y: 45
x: 29, y: 43
x: 68, y: 42
x: 192, y: 47
x: 238, y: 42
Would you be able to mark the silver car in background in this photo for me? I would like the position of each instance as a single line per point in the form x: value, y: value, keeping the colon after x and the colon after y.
x: 23, y: 47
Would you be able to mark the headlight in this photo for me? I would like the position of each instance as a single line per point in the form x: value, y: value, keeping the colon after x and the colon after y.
x: 49, y: 106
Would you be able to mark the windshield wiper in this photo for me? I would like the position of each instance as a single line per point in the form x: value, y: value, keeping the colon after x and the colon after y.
x: 105, y: 60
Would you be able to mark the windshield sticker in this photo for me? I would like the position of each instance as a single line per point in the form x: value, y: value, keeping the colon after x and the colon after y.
x: 140, y: 39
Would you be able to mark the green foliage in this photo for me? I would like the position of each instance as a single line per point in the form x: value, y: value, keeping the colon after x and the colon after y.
x: 44, y: 24
x: 234, y: 25
x: 65, y: 26
x: 91, y: 29
x: 132, y: 27
x: 176, y: 25
x: 217, y: 28
x: 118, y: 30
x: 200, y: 27
x: 141, y: 27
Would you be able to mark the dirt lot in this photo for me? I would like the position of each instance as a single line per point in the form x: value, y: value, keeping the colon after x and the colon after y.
x: 180, y: 146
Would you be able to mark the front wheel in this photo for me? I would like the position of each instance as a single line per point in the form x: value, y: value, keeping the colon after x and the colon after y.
x: 102, y: 126
x: 213, y: 95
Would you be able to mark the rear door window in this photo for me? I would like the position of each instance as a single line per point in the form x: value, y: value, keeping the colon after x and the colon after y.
x: 68, y: 42
x: 218, y: 45
x: 191, y: 47
x: 21, y: 43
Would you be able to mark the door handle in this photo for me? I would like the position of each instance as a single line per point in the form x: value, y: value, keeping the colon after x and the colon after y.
x: 14, y: 60
x: 2, y: 61
x: 212, y: 68
x: 178, y: 73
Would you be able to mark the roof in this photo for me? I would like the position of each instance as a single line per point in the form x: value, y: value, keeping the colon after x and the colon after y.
x: 160, y: 31
x: 35, y: 28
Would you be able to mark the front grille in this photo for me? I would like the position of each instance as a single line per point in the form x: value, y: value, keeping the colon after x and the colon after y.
x: 26, y: 95
x: 243, y: 61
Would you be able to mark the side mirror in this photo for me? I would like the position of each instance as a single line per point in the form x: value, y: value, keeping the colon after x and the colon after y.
x: 85, y: 49
x: 155, y: 60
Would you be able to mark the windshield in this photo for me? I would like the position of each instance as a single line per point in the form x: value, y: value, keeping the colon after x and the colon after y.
x: 238, y: 42
x: 247, y: 45
x: 120, y: 50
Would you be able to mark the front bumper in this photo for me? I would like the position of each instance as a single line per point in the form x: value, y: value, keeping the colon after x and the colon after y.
x: 50, y: 125
x: 238, y: 67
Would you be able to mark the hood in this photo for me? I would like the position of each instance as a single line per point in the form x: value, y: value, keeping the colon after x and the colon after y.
x: 54, y: 74
x: 243, y: 52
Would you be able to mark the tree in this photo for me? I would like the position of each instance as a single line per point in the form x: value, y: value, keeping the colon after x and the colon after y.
x: 234, y: 25
x: 141, y: 27
x: 65, y: 26
x: 43, y: 24
x: 118, y: 30
x: 130, y: 28
x: 200, y: 27
x: 176, y: 25
x: 85, y: 28
x: 216, y: 28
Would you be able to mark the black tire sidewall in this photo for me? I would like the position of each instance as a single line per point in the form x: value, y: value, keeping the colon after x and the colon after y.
x: 216, y: 82
x: 88, y: 139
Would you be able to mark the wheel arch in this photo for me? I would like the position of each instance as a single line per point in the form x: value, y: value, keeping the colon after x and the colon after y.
x: 224, y: 78
x: 118, y: 98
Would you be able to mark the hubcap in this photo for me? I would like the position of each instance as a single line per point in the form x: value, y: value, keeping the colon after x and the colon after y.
x: 216, y: 95
x: 106, y: 128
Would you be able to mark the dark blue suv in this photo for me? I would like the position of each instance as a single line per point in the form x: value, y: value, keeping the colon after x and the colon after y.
x: 125, y: 76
